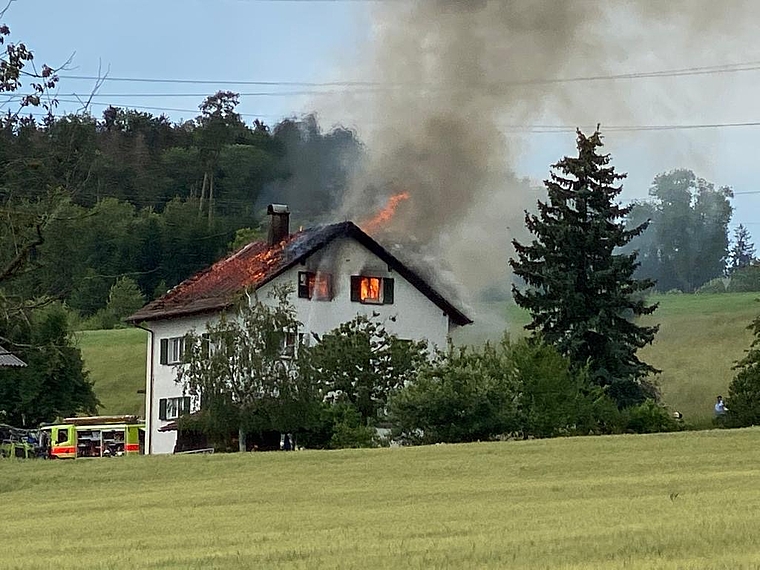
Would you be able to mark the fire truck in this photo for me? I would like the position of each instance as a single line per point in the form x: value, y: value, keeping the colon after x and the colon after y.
x: 94, y: 436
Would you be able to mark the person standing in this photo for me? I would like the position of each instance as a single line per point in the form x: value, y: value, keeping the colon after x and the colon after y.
x: 720, y: 407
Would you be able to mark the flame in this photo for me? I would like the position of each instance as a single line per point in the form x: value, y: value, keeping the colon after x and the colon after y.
x: 370, y: 289
x: 386, y: 214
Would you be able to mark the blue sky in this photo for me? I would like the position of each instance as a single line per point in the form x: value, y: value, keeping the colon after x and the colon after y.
x: 310, y: 41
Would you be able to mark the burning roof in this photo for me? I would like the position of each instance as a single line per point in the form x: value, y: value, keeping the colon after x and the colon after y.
x: 257, y: 263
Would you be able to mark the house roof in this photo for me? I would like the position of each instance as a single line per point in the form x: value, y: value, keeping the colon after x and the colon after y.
x: 256, y: 264
x: 8, y: 360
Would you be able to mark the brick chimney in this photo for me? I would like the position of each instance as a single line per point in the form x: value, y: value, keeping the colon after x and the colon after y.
x: 279, y: 223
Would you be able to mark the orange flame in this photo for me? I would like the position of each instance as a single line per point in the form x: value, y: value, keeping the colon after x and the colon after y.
x: 386, y: 214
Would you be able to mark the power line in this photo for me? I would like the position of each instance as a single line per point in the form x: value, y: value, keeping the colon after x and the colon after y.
x: 682, y: 72
x: 536, y: 129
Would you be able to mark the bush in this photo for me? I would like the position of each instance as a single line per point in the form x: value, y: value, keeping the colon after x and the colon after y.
x: 716, y: 285
x: 466, y: 395
x: 649, y: 417
x: 745, y: 279
x: 524, y: 389
x: 339, y: 426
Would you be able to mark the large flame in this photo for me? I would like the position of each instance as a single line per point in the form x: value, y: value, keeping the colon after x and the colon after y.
x: 386, y: 214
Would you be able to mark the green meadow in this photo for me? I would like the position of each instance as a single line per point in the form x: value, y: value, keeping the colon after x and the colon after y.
x: 688, y: 500
x: 116, y: 360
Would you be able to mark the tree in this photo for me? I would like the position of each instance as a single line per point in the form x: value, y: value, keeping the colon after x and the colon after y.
x: 465, y: 395
x: 241, y: 366
x: 687, y: 243
x: 54, y: 384
x: 743, y: 402
x: 220, y: 124
x: 124, y: 298
x: 363, y: 364
x: 742, y: 251
x: 581, y: 294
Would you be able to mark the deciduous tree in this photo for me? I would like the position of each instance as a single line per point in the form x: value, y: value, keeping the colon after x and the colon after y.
x: 244, y: 365
x: 362, y: 363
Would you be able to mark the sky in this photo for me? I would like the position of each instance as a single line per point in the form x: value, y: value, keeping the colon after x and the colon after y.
x: 307, y: 41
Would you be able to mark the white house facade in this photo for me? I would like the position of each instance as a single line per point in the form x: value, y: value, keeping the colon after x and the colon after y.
x: 336, y: 272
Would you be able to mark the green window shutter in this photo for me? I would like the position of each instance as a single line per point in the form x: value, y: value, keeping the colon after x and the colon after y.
x: 185, y: 406
x: 164, y: 351
x: 205, y: 346
x: 388, y: 293
x: 303, y: 285
x: 162, y: 409
x: 356, y: 288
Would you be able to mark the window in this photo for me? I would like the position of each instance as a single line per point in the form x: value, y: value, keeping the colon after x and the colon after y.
x: 172, y: 408
x: 289, y: 345
x: 315, y: 286
x: 62, y: 436
x: 172, y: 350
x: 372, y: 290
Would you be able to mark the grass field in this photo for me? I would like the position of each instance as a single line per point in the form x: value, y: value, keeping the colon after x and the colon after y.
x: 678, y: 501
x: 700, y: 338
x: 116, y: 361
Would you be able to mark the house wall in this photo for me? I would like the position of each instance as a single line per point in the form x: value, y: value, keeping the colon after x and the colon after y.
x: 412, y: 316
x: 163, y: 383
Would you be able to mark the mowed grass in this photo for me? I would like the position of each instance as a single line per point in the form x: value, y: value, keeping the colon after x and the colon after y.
x: 116, y: 360
x: 678, y: 501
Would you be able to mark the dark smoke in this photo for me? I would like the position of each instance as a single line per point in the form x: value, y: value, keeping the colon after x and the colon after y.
x: 457, y: 72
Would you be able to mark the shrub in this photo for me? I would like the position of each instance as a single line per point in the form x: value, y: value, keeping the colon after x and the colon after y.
x: 745, y: 279
x: 716, y: 285
x: 523, y: 389
x: 649, y: 417
x: 743, y: 402
x: 339, y: 426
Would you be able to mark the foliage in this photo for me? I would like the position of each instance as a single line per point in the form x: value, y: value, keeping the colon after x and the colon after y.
x: 713, y: 286
x: 745, y: 279
x: 742, y: 251
x: 465, y: 395
x: 743, y: 402
x: 339, y: 425
x: 244, y: 236
x: 124, y: 299
x: 687, y: 243
x: 581, y: 294
x: 240, y: 368
x: 54, y: 383
x: 649, y: 417
x: 523, y: 389
x: 361, y: 363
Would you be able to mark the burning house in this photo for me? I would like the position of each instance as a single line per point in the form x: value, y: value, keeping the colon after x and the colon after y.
x: 337, y: 271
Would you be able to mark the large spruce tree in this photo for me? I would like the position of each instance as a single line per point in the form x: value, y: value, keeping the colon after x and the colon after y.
x: 581, y: 294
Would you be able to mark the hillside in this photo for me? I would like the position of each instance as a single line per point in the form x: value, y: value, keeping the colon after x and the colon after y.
x: 116, y: 360
x: 687, y: 500
x: 700, y: 337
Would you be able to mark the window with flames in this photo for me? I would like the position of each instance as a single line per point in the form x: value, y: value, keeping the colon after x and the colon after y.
x: 314, y: 286
x: 372, y: 290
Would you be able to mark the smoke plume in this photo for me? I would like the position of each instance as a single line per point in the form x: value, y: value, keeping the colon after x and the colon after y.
x: 460, y: 78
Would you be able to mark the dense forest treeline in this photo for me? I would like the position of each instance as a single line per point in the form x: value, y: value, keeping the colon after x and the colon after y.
x: 133, y: 195
x: 140, y: 197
